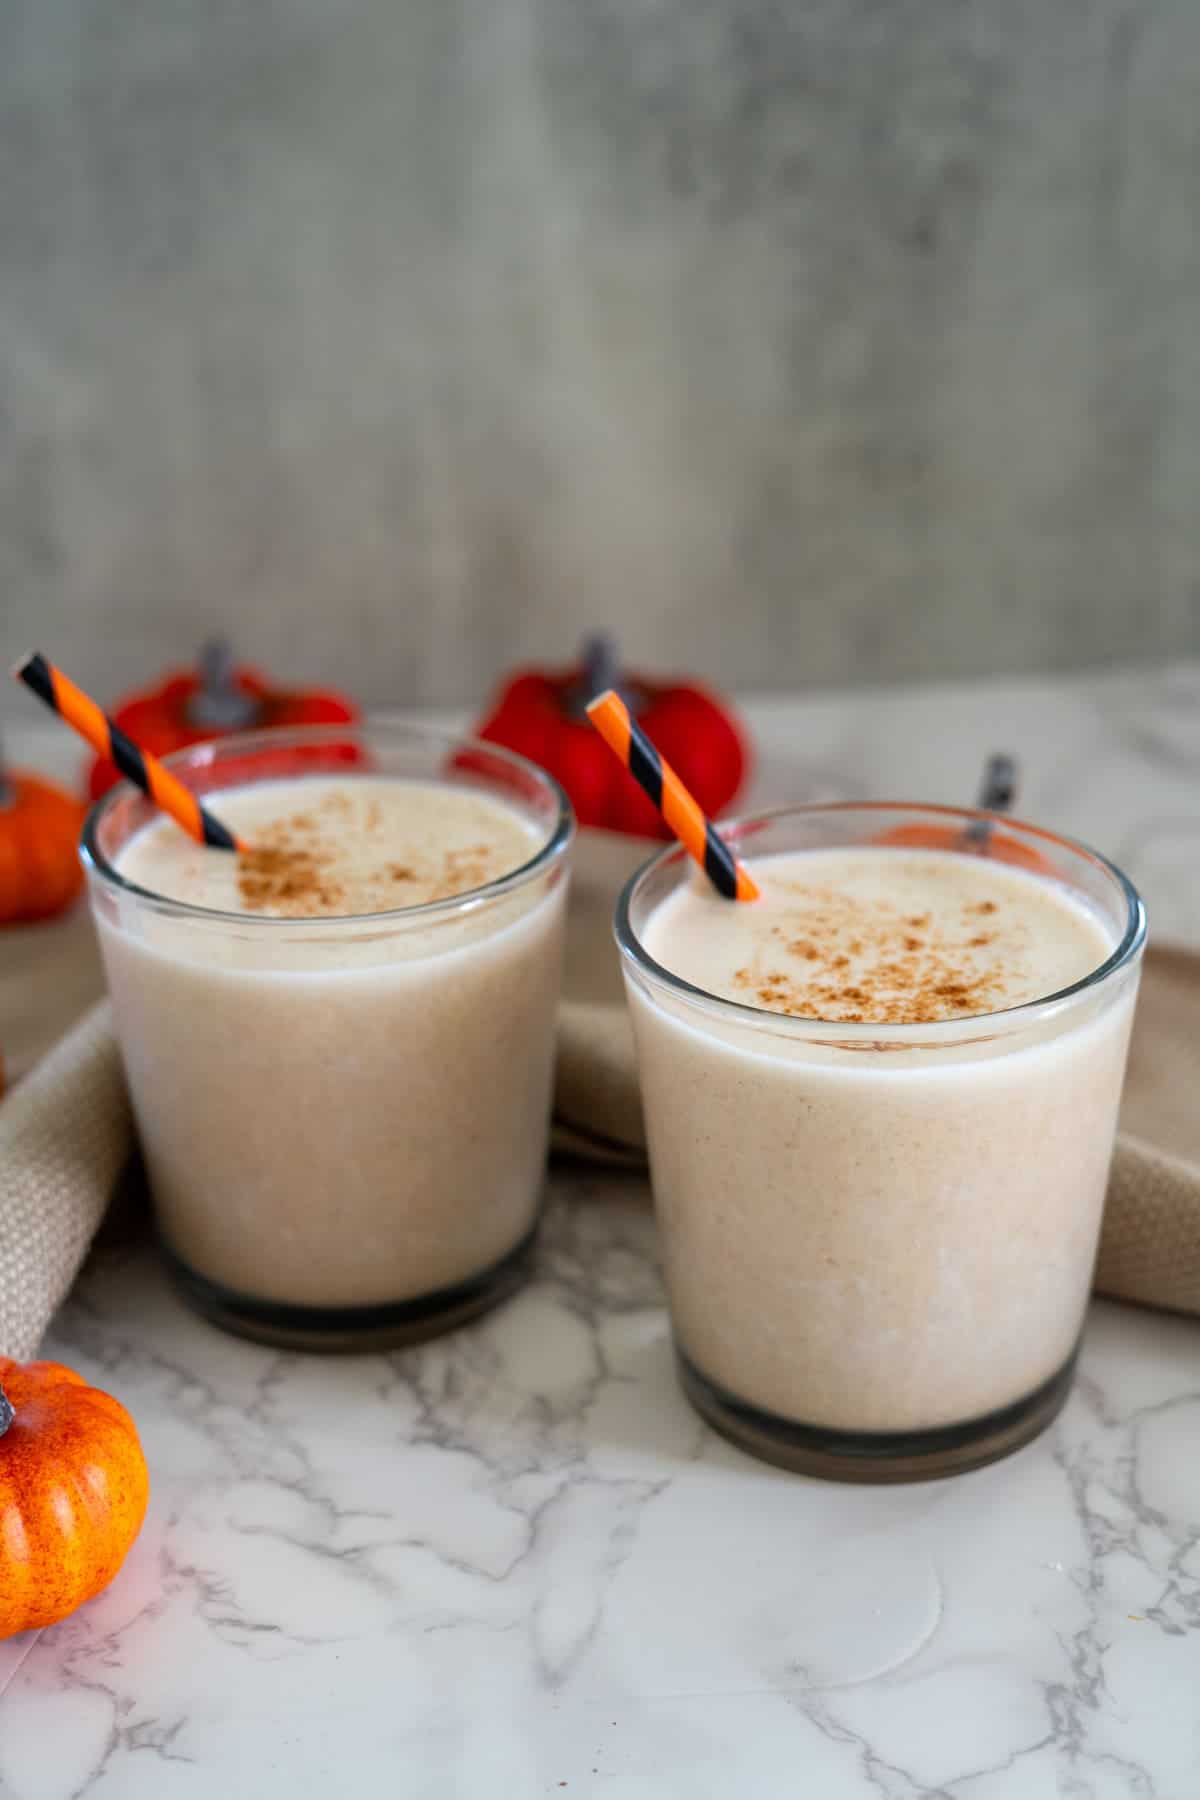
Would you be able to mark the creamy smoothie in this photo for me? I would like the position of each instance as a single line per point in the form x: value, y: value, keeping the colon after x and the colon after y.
x: 322, y: 847
x: 343, y: 1099
x: 885, y: 1222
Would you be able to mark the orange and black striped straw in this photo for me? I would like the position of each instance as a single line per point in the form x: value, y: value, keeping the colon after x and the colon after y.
x: 658, y: 780
x: 145, y: 771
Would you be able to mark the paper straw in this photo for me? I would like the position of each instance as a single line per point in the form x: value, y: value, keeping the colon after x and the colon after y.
x: 145, y: 771
x: 658, y: 780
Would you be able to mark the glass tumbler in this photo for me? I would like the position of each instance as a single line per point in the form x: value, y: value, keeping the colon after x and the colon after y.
x: 344, y: 1120
x: 878, y: 1239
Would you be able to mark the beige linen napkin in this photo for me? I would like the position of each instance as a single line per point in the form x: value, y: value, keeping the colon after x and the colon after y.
x: 65, y: 1132
x: 1150, y: 1245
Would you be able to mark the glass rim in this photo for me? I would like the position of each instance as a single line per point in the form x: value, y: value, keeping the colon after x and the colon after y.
x: 931, y: 1034
x: 210, y: 752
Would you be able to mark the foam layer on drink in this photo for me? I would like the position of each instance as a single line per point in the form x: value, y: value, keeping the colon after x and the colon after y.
x: 325, y: 847
x: 880, y: 936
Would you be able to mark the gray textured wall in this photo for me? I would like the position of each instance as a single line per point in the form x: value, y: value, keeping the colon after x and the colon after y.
x: 801, y: 340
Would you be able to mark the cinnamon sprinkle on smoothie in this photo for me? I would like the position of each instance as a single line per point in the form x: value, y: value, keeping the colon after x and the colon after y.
x: 862, y: 936
x: 322, y: 848
x: 337, y: 856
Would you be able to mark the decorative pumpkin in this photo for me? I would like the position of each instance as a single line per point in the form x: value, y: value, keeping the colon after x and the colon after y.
x: 541, y: 714
x: 921, y: 836
x: 40, y: 871
x: 193, y: 706
x: 996, y: 794
x: 73, y: 1492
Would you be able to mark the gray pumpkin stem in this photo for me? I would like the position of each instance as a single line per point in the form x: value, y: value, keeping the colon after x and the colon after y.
x: 601, y: 670
x: 219, y: 701
x: 997, y: 792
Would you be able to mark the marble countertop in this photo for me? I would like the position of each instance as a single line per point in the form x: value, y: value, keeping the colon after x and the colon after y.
x: 513, y: 1562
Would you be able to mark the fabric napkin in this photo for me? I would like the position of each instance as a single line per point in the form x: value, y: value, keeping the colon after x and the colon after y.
x: 1150, y: 1244
x: 66, y: 1130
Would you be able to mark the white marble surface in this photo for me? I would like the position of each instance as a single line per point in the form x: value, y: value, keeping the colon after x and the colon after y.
x: 514, y: 1563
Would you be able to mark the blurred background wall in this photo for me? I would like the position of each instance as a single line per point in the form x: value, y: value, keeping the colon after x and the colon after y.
x: 799, y: 341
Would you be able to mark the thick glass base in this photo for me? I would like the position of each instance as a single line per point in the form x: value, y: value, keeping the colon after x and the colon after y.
x: 876, y: 1456
x: 344, y: 1329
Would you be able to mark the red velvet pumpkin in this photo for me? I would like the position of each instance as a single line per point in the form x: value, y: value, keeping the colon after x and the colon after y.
x: 193, y: 706
x: 540, y: 713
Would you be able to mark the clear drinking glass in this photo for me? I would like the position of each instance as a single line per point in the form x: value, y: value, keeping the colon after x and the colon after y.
x: 344, y: 1120
x: 879, y: 1239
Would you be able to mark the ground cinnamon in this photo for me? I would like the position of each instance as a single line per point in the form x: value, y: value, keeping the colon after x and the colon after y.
x: 853, y: 962
x: 294, y: 870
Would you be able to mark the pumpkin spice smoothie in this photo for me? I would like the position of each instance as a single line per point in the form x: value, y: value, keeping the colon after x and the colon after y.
x: 339, y: 1040
x: 880, y: 1102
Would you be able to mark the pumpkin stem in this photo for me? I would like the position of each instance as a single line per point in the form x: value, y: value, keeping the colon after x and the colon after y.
x: 997, y: 792
x: 601, y: 669
x: 998, y: 789
x: 218, y: 701
x: 600, y: 665
x: 7, y: 1415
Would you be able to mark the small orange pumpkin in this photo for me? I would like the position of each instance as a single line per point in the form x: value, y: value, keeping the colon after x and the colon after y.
x: 996, y: 794
x: 997, y: 844
x: 73, y: 1492
x: 40, y: 872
